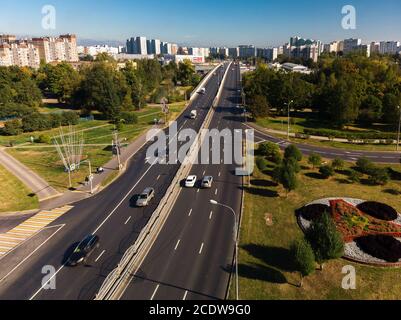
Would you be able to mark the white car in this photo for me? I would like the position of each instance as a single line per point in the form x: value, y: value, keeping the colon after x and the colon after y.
x: 207, y: 182
x: 190, y: 181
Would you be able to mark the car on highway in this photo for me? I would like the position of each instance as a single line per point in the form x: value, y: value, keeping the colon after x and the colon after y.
x: 145, y: 197
x: 83, y: 250
x: 207, y: 182
x: 190, y: 181
x: 193, y: 114
x: 202, y: 90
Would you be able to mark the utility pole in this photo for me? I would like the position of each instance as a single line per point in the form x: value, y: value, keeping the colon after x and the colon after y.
x: 399, y: 128
x: 288, y: 119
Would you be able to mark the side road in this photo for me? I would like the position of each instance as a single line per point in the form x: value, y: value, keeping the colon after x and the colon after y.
x: 38, y: 186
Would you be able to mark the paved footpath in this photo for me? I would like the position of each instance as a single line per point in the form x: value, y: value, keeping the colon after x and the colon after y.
x: 34, y: 182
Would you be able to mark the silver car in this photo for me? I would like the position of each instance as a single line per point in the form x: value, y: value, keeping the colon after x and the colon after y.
x: 145, y: 197
x: 207, y: 182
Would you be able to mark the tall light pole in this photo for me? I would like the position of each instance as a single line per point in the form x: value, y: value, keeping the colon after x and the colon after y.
x: 90, y: 177
x: 288, y: 118
x: 236, y: 242
x: 399, y: 128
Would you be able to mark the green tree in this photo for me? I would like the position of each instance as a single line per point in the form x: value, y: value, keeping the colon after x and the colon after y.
x: 338, y: 164
x: 186, y: 70
x: 325, y: 239
x: 293, y: 152
x: 286, y: 174
x: 258, y: 106
x: 315, y: 160
x: 378, y: 176
x: 12, y: 127
x: 326, y: 171
x: 304, y: 258
x: 354, y: 176
x: 364, y: 165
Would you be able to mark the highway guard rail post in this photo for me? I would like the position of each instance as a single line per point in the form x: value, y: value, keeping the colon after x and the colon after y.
x: 115, y: 283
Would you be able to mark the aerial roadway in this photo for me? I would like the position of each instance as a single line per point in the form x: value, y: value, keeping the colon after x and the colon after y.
x: 112, y: 215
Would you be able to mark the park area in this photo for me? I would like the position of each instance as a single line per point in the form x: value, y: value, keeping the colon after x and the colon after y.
x: 43, y: 158
x: 269, y: 227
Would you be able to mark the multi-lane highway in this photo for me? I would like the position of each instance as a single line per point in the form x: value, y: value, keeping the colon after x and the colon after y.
x: 193, y: 254
x: 110, y: 214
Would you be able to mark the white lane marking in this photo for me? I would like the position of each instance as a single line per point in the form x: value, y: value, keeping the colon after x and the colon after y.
x: 176, y: 246
x: 123, y: 199
x: 51, y: 278
x: 201, y: 248
x: 158, y: 177
x: 27, y: 257
x: 211, y: 214
x: 203, y: 173
x: 198, y: 191
x: 215, y: 192
x: 189, y: 214
x: 154, y: 292
x: 185, y: 295
x: 100, y: 255
x: 219, y: 174
x: 127, y: 220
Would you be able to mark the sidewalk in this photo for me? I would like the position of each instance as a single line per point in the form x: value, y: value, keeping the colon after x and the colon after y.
x: 34, y: 182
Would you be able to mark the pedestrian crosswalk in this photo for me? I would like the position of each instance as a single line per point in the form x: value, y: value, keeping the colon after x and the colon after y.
x: 14, y: 237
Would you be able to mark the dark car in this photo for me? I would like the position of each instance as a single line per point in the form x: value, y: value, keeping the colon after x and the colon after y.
x: 83, y: 250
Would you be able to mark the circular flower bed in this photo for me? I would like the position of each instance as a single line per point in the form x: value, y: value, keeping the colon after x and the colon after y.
x: 368, y: 238
x: 378, y: 210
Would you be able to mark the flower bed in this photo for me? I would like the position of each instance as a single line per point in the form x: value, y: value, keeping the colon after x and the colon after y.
x: 352, y: 222
x: 313, y: 211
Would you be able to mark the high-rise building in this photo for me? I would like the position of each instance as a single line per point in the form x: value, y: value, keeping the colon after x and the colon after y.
x: 351, y: 45
x: 7, y: 38
x: 389, y: 47
x: 137, y: 45
x: 247, y: 51
x: 375, y: 47
x: 63, y: 48
x: 154, y: 47
x: 233, y: 52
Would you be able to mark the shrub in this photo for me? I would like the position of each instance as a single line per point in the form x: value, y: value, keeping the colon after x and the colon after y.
x: 36, y: 122
x: 381, y: 246
x: 304, y: 258
x: 293, y: 152
x: 313, y: 211
x: 69, y: 117
x: 338, y: 163
x: 354, y: 176
x: 129, y: 117
x: 43, y: 138
x: 261, y: 163
x: 378, y: 176
x: 268, y: 148
x: 378, y: 210
x: 364, y: 165
x: 326, y: 171
x: 12, y: 128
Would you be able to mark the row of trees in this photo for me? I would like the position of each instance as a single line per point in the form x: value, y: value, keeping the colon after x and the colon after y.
x: 341, y: 90
x: 102, y: 85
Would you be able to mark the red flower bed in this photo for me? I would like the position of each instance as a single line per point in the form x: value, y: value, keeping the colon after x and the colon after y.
x: 352, y: 222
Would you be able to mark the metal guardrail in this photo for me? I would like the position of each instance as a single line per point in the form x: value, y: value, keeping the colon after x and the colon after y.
x: 111, y: 287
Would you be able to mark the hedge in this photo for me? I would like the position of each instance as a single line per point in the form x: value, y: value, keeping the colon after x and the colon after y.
x: 330, y: 133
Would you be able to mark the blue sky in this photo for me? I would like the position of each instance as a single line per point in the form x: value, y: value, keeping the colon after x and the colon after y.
x: 206, y: 22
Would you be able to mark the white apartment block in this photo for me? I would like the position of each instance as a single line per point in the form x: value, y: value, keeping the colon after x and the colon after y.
x: 21, y: 54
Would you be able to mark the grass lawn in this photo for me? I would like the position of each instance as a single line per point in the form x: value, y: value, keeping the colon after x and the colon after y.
x: 265, y: 266
x: 44, y: 159
x: 15, y: 196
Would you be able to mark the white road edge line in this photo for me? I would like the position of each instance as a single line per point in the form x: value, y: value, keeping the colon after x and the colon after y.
x: 100, y: 255
x: 154, y: 292
x: 27, y: 257
x: 211, y: 214
x: 185, y: 295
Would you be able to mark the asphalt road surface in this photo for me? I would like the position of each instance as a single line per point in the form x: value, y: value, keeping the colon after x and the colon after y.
x: 111, y: 215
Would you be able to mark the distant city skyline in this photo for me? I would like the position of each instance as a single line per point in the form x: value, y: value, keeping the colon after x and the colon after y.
x: 205, y: 24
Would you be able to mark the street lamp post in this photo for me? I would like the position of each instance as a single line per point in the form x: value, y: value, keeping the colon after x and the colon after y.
x: 236, y: 242
x: 399, y: 128
x: 288, y: 118
x: 90, y: 177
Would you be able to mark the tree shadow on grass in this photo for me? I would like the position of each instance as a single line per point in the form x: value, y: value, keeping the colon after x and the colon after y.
x: 261, y: 192
x: 263, y: 183
x: 343, y: 181
x: 260, y: 272
x: 275, y: 257
x: 393, y: 192
x: 314, y: 175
